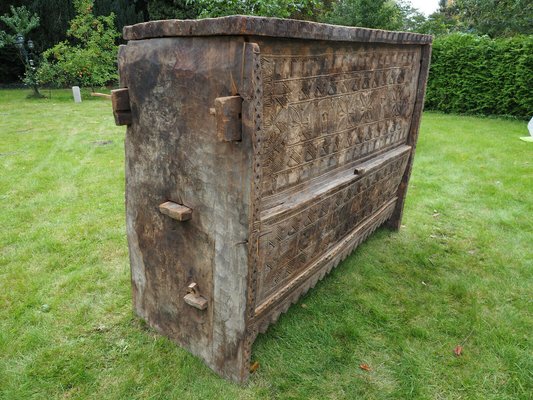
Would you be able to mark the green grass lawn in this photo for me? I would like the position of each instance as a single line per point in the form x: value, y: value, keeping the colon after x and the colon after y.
x: 460, y: 272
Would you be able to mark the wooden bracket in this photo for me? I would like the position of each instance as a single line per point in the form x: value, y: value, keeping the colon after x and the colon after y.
x: 176, y: 211
x: 228, y: 113
x: 194, y: 298
x: 120, y: 100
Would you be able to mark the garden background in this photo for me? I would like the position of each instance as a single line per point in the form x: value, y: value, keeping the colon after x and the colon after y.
x: 482, y: 55
x: 439, y: 310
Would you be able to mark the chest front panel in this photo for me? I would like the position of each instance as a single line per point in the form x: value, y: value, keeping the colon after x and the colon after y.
x: 327, y: 109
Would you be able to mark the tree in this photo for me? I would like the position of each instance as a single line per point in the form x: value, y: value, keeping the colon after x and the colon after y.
x: 381, y: 14
x: 173, y: 9
x: 303, y: 9
x: 91, y: 60
x: 127, y: 12
x: 21, y: 22
x: 496, y: 18
x: 438, y: 24
x: 412, y: 18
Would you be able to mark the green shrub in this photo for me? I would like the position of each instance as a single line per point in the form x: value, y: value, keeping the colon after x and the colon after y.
x: 91, y: 60
x: 478, y: 75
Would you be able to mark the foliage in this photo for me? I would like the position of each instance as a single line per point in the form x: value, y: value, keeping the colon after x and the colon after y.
x: 303, y: 9
x: 479, y: 75
x: 496, y: 18
x: 437, y: 24
x: 126, y: 11
x: 382, y: 14
x: 411, y: 17
x: 21, y: 21
x: 91, y: 61
x: 55, y: 16
x: 173, y: 9
x: 460, y: 275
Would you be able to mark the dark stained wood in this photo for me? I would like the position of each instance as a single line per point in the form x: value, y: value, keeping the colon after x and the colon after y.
x: 292, y: 141
x: 120, y: 101
x: 122, y: 118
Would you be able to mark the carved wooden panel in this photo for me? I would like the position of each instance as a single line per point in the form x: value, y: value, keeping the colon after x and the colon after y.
x: 292, y: 240
x: 324, y: 111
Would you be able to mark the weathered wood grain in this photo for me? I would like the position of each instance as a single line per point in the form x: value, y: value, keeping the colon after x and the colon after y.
x: 291, y: 141
x: 239, y: 25
x: 194, y: 298
x: 228, y: 111
x: 123, y: 118
x: 172, y: 152
x: 120, y: 101
x: 175, y: 211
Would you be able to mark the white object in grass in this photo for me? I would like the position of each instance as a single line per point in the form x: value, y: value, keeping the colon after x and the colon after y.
x: 76, y: 93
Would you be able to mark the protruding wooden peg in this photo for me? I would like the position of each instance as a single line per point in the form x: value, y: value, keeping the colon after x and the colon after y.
x: 176, y: 211
x: 228, y: 112
x: 120, y: 100
x: 194, y: 298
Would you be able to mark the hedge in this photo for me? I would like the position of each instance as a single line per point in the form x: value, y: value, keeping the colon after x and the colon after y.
x: 478, y: 75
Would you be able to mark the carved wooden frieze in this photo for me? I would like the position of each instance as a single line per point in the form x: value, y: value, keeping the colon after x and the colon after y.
x: 259, y: 153
x: 323, y: 111
x: 291, y: 240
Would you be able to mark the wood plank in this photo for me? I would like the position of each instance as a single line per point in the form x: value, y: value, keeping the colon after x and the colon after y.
x: 103, y: 95
x: 376, y: 162
x: 176, y: 211
x: 269, y: 27
x: 228, y: 111
x: 120, y: 99
x: 321, y: 187
x: 123, y: 118
x: 347, y: 244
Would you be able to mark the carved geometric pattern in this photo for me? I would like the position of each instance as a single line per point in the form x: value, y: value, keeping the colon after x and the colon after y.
x: 323, y: 111
x: 291, y: 242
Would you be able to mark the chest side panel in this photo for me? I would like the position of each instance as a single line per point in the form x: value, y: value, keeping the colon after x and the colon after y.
x: 173, y: 154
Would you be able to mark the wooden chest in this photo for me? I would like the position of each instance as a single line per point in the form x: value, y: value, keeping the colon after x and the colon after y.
x: 259, y: 153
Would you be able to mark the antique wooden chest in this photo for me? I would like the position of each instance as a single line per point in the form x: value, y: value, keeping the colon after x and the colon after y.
x: 259, y: 153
